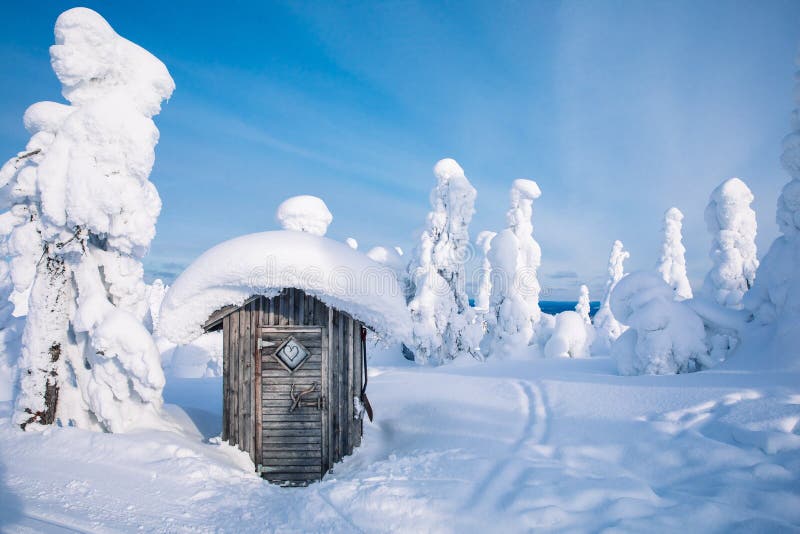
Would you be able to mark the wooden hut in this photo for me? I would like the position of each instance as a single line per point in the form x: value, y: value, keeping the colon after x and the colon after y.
x: 293, y: 378
x: 293, y: 308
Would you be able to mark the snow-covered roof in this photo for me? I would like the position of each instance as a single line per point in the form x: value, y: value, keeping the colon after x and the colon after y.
x: 266, y: 262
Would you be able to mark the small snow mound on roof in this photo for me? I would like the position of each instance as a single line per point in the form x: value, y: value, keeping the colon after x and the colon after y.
x: 304, y: 213
x: 266, y: 262
x: 526, y: 189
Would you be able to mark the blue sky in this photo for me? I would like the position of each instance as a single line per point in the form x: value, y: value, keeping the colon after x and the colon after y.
x: 618, y: 110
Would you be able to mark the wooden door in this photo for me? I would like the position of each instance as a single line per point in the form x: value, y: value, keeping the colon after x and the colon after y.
x: 293, y: 403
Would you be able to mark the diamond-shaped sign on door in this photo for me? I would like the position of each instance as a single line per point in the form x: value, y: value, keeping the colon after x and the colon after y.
x: 292, y: 354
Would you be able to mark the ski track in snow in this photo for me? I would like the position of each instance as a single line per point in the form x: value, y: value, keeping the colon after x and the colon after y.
x: 490, y: 487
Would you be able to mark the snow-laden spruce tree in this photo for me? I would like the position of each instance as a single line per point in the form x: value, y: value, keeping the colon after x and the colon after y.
x: 583, y: 307
x: 520, y: 221
x: 672, y: 263
x: 732, y: 223
x: 607, y: 328
x: 81, y: 213
x: 444, y: 323
x: 774, y: 297
x: 484, y: 296
x: 508, y: 319
x: 665, y: 336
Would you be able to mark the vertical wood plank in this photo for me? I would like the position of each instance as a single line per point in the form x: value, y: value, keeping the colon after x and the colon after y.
x: 234, y: 376
x: 334, y: 394
x: 270, y: 311
x: 358, y: 380
x: 241, y: 377
x: 349, y: 397
x: 247, y: 361
x: 290, y: 311
x: 309, y: 309
x: 326, y: 409
x: 284, y: 319
x: 226, y: 367
x: 342, y: 364
x: 300, y: 304
x: 257, y: 430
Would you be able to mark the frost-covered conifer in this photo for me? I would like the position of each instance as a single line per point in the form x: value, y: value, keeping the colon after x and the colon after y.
x: 483, y: 298
x: 732, y: 223
x: 509, y: 324
x: 81, y: 213
x: 584, y: 307
x: 607, y: 328
x: 520, y: 221
x: 665, y: 336
x: 672, y: 263
x: 774, y: 297
x: 444, y: 322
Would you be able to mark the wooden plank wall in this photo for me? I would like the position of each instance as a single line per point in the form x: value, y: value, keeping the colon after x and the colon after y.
x: 341, y: 367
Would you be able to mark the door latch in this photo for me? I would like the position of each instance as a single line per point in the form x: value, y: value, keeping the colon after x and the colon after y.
x: 298, y: 400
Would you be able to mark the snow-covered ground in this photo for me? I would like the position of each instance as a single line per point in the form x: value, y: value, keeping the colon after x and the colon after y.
x: 563, y: 444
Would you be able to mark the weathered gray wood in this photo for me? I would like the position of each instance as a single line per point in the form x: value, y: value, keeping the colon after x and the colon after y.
x: 300, y: 307
x: 289, y: 441
x: 290, y: 432
x: 256, y: 387
x: 290, y: 310
x: 302, y: 479
x: 226, y: 336
x: 341, y: 360
x: 295, y: 455
x: 358, y: 371
x: 348, y: 430
x: 283, y: 447
x: 216, y: 318
x: 234, y: 378
x: 258, y: 434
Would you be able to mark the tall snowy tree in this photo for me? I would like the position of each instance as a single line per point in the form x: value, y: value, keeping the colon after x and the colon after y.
x: 584, y: 305
x: 81, y: 213
x: 672, y: 263
x: 607, y: 328
x: 509, y: 324
x: 444, y: 323
x: 520, y: 221
x: 774, y: 297
x: 732, y: 223
x: 483, y: 298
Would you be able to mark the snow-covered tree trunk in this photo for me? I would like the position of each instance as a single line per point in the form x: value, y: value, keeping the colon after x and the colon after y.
x: 81, y: 200
x: 44, y: 343
x: 607, y: 328
x: 732, y: 223
x: 445, y: 325
x: 672, y: 263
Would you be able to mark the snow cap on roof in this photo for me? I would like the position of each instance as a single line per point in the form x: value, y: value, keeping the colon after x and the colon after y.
x: 304, y: 213
x: 267, y: 262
